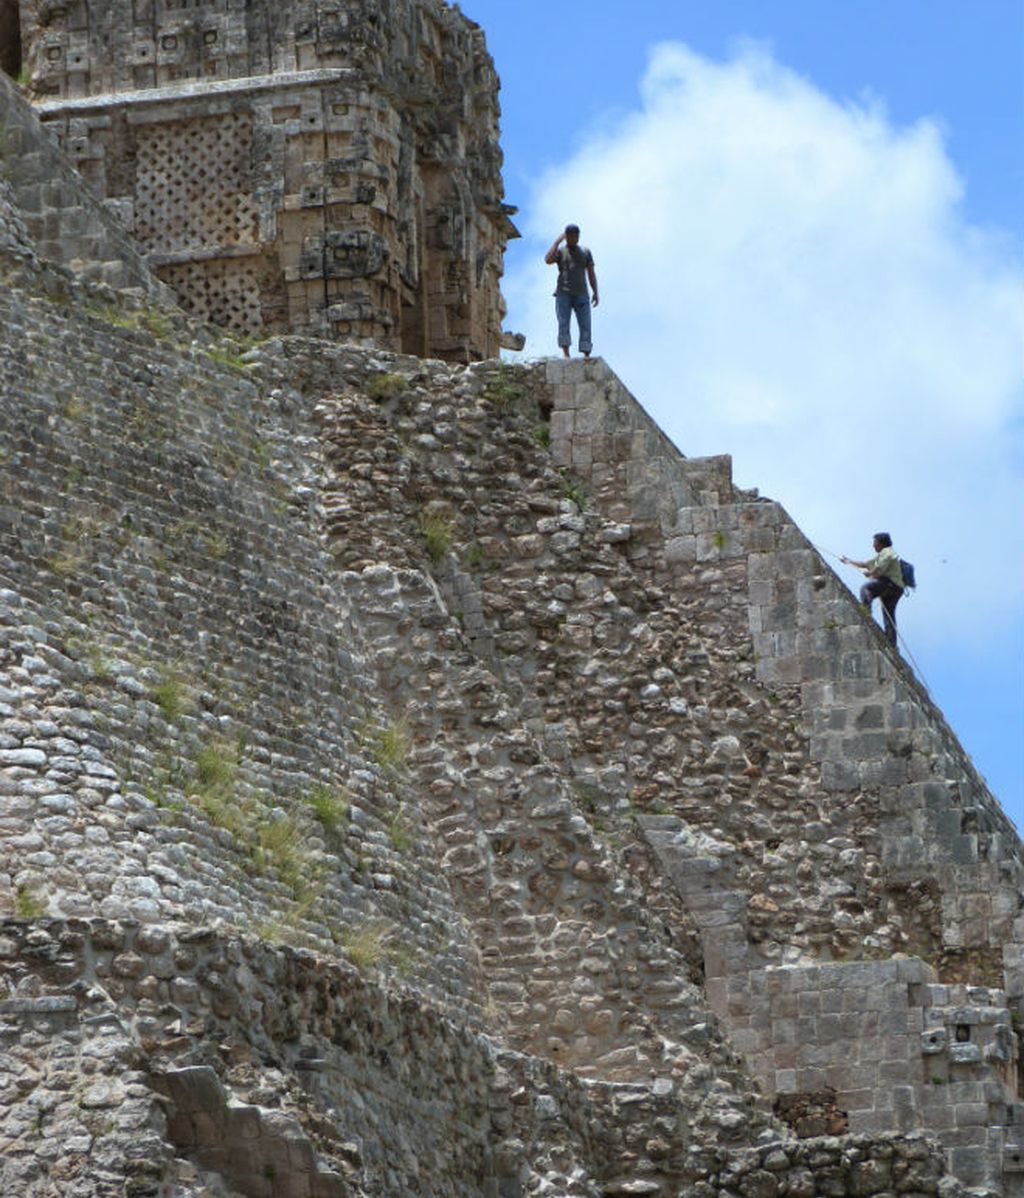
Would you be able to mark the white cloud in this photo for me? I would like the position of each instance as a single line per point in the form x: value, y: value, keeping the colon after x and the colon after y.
x: 790, y: 279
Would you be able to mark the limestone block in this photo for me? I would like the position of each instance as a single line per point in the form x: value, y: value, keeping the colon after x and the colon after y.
x: 1013, y: 1158
x: 964, y: 1054
x: 971, y: 1165
x: 934, y: 1041
x: 195, y: 1088
x: 681, y: 549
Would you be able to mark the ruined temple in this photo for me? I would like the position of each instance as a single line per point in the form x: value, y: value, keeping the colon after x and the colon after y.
x: 420, y: 777
x: 289, y: 166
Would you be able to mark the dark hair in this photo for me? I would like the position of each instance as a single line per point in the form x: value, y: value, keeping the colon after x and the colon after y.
x: 884, y: 539
x: 572, y: 228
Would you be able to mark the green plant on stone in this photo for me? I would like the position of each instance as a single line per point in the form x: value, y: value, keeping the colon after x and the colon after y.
x: 366, y: 946
x: 216, y: 764
x: 307, y: 895
x: 571, y: 489
x: 155, y: 322
x: 150, y: 320
x: 400, y: 833
x: 224, y: 356
x: 100, y: 664
x: 221, y: 811
x: 503, y: 389
x: 280, y: 848
x: 474, y: 556
x: 67, y: 562
x: 180, y: 529
x: 719, y: 539
x: 542, y: 433
x: 155, y: 794
x: 172, y: 695
x: 391, y: 745
x: 27, y: 904
x: 329, y: 806
x: 382, y: 387
x: 215, y: 543
x: 76, y: 533
x: 402, y: 961
x: 437, y: 528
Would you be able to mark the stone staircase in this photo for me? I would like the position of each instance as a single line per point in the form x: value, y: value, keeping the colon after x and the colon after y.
x: 257, y: 1152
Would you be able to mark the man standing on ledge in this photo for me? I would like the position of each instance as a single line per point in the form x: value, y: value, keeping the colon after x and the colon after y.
x: 885, y: 576
x: 575, y: 266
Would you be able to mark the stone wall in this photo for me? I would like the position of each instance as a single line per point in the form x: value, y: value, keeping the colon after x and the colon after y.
x: 44, y: 204
x: 188, y: 731
x: 898, y: 1052
x: 201, y: 1061
x: 233, y: 1058
x: 407, y: 664
x: 941, y: 862
x: 326, y: 169
x: 417, y: 779
x: 200, y: 719
x: 871, y: 779
x: 13, y: 233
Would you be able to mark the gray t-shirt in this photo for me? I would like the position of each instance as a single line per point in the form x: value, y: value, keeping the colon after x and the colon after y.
x: 572, y: 269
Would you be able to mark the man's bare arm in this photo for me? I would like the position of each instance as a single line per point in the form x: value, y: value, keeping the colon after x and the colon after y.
x: 592, y: 276
x: 551, y: 257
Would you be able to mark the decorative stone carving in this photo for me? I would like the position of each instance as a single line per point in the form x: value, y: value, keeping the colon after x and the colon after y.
x: 309, y: 167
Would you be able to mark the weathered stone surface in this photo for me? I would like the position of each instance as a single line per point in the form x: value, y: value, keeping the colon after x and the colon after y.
x: 347, y: 160
x: 386, y: 809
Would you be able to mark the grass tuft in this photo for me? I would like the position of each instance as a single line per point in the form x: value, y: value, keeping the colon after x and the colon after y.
x: 438, y: 529
x: 216, y: 765
x: 28, y: 904
x: 503, y: 389
x: 366, y: 946
x: 329, y: 806
x: 400, y: 833
x: 571, y: 489
x: 391, y: 745
x: 382, y: 387
x: 172, y: 695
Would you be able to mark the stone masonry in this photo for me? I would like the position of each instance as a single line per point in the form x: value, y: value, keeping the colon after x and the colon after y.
x: 119, y: 726
x: 424, y: 779
x: 316, y: 167
x: 44, y: 207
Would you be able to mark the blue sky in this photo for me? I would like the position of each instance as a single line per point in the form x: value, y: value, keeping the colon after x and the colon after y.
x: 808, y: 223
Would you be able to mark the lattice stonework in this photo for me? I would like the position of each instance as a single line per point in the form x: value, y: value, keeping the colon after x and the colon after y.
x: 224, y: 292
x: 193, y: 187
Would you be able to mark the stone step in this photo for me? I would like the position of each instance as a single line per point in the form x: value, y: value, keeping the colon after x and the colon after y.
x: 245, y: 1144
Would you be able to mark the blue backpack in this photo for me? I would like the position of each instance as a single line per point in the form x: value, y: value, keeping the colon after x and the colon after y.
x: 909, y: 581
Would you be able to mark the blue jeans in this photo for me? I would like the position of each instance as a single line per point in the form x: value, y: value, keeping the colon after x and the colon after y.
x: 890, y: 594
x: 565, y: 305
